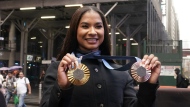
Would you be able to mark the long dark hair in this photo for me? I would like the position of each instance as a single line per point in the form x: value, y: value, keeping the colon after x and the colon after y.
x: 70, y: 43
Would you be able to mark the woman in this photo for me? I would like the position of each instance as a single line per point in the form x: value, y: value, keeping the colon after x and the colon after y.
x: 105, y: 88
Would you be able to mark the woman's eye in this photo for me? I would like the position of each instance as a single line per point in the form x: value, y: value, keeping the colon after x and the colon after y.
x: 84, y: 26
x: 99, y: 26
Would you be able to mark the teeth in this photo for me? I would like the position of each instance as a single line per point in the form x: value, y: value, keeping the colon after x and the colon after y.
x: 91, y: 40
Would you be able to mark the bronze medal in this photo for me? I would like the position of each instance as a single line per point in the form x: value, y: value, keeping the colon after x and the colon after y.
x: 139, y: 73
x: 79, y: 75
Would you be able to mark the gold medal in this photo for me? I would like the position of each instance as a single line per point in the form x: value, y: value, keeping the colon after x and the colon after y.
x: 79, y: 75
x: 139, y: 73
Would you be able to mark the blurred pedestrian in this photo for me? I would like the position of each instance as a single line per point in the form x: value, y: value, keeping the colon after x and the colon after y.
x: 22, y: 84
x: 4, y: 73
x: 16, y: 73
x: 181, y: 82
x: 10, y: 87
x: 42, y: 75
x: 1, y: 79
x: 2, y: 89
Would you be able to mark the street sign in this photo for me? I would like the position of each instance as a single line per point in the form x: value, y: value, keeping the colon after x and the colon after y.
x: 46, y: 61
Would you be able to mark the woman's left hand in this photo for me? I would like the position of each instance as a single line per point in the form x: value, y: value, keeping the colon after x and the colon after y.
x: 152, y: 63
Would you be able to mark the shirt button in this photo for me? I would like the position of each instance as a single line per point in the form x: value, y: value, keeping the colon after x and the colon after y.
x: 58, y: 94
x: 96, y: 69
x: 101, y: 105
x: 99, y: 85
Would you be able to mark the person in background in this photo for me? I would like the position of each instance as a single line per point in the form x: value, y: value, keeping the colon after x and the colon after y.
x: 16, y: 72
x: 42, y: 75
x: 10, y: 88
x: 181, y: 82
x: 4, y: 73
x: 88, y: 34
x: 2, y: 88
x: 22, y: 84
x: 1, y: 79
x: 41, y: 80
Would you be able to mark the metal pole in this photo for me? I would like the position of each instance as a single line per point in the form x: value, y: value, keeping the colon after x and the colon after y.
x: 40, y: 92
x: 98, y: 5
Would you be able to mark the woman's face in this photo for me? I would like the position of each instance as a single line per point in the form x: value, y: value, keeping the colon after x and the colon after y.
x: 90, y: 32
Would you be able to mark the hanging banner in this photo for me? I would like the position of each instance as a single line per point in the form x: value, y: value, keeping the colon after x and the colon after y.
x: 168, y: 70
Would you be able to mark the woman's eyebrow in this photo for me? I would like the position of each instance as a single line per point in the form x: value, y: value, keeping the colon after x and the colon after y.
x: 88, y: 23
x: 99, y: 23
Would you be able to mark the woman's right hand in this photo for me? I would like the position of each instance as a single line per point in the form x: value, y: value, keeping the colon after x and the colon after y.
x: 64, y: 65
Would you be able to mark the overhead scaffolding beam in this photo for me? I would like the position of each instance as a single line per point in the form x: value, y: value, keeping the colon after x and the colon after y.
x: 111, y: 9
x: 1, y: 23
x: 121, y: 22
x: 46, y: 3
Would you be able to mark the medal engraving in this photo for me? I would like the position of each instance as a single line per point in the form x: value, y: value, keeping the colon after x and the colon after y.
x: 139, y: 73
x: 78, y: 74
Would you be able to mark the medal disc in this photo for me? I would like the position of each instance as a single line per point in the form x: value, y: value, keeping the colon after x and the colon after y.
x: 139, y: 73
x: 79, y: 75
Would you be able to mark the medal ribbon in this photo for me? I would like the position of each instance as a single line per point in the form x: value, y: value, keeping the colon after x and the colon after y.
x: 96, y: 55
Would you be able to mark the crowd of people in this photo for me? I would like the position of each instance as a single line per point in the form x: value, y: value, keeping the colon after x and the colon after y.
x: 13, y: 84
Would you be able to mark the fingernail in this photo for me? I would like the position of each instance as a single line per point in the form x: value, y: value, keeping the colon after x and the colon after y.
x: 69, y: 66
x: 150, y: 66
x: 153, y: 65
x: 147, y: 62
x: 72, y: 65
x: 143, y: 60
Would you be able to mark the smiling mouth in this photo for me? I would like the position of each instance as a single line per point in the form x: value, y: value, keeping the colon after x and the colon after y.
x: 91, y: 40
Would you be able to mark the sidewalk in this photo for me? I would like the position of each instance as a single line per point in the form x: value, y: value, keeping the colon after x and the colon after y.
x: 30, y: 100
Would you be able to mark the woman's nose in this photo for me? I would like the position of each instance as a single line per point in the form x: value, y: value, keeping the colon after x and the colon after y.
x: 92, y: 30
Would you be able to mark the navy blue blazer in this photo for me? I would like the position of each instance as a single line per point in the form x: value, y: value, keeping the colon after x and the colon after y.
x: 2, y: 100
x: 105, y: 88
